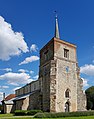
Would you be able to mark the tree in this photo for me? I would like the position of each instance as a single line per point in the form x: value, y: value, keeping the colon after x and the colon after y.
x: 90, y: 98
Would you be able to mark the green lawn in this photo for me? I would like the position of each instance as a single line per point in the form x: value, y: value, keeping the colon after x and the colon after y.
x: 84, y: 117
x: 10, y: 116
x: 6, y: 115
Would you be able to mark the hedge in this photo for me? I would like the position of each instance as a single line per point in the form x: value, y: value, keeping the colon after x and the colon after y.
x: 26, y: 112
x: 20, y: 112
x: 64, y: 114
x: 33, y: 112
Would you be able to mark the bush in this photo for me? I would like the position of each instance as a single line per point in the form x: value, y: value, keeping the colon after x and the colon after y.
x: 20, y: 112
x: 40, y: 115
x: 64, y: 114
x: 26, y: 112
x: 33, y: 112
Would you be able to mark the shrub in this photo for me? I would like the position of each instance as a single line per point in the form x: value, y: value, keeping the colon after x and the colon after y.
x: 33, y: 112
x: 64, y: 114
x: 26, y: 112
x: 20, y: 112
x: 40, y: 115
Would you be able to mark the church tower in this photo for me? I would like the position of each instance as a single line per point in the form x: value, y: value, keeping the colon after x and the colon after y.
x: 61, y: 85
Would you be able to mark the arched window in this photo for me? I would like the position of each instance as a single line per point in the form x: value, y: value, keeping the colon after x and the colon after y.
x: 67, y: 93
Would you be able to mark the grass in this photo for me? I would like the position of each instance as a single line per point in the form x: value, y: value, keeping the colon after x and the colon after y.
x: 10, y: 116
x: 6, y: 115
x: 84, y: 117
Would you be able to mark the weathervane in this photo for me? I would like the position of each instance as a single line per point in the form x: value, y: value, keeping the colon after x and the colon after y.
x: 55, y: 14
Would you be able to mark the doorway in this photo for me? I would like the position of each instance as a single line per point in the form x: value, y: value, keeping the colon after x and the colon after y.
x: 67, y: 107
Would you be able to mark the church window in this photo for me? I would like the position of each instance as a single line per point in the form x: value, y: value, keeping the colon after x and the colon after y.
x: 66, y: 53
x: 67, y: 93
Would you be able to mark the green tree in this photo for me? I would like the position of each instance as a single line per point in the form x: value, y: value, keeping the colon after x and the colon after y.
x: 90, y: 98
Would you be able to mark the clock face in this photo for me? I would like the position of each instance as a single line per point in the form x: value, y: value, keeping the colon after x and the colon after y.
x: 67, y: 69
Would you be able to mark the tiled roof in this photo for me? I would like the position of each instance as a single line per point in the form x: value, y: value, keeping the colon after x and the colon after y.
x: 9, y: 97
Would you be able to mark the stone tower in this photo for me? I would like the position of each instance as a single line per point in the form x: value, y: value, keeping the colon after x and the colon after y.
x: 61, y: 85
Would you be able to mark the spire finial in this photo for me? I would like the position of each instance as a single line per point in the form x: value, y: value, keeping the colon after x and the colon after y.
x: 55, y: 14
x: 56, y: 26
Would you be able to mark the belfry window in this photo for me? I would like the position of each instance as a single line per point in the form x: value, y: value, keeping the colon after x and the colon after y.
x: 67, y: 95
x: 66, y: 53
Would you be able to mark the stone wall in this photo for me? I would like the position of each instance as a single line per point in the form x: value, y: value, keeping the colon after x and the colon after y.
x: 46, y: 90
x: 60, y: 45
x: 47, y: 52
x: 28, y: 88
x: 30, y: 102
x: 81, y: 97
x: 34, y: 102
x: 48, y: 85
x: 66, y: 80
x: 22, y: 104
x: 66, y: 76
x: 53, y: 86
x: 46, y: 55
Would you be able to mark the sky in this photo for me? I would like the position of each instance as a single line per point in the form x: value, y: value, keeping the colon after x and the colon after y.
x: 27, y: 25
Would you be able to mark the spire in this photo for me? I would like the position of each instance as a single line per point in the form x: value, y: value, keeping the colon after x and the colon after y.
x: 56, y: 27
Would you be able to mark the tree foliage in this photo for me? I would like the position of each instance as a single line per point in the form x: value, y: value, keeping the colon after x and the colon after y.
x: 90, y: 98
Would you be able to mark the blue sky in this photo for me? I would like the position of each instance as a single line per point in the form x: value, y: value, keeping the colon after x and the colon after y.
x: 27, y: 25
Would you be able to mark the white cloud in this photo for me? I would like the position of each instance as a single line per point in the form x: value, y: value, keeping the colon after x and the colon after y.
x: 31, y: 72
x: 16, y: 88
x: 85, y: 82
x: 7, y: 69
x: 13, y: 83
x: 16, y: 78
x: 1, y: 96
x: 29, y: 59
x: 87, y: 69
x: 11, y: 43
x: 33, y: 48
x: 22, y: 70
x: 36, y: 77
x: 4, y: 87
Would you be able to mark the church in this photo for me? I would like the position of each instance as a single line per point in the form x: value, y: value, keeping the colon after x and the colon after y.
x: 59, y: 86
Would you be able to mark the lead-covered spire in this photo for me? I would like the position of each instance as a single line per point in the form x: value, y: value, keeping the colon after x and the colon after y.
x: 56, y: 27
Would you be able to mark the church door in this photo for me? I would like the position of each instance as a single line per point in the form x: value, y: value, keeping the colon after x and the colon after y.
x: 67, y: 107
